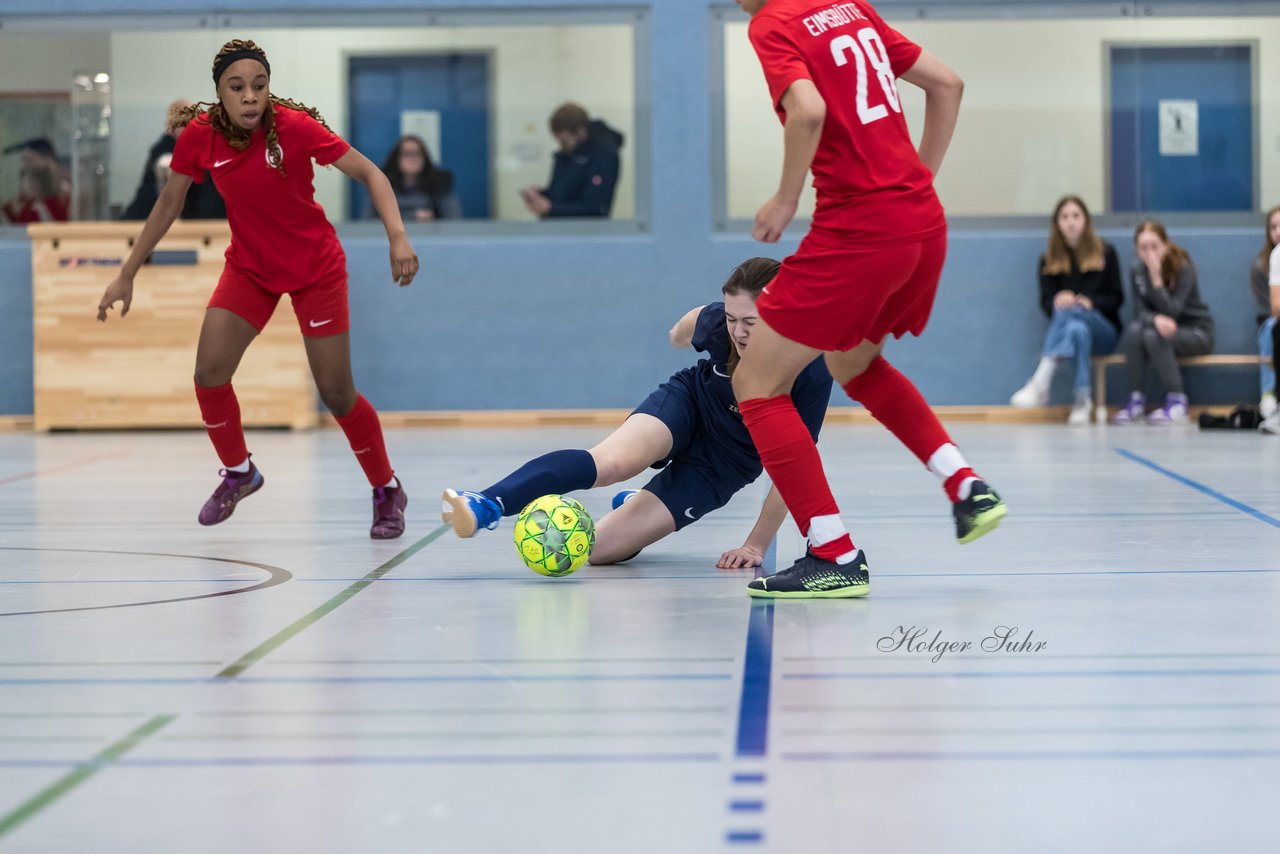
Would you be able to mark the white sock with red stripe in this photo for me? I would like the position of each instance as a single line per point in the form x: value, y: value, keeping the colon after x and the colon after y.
x: 956, y: 476
x: 830, y: 540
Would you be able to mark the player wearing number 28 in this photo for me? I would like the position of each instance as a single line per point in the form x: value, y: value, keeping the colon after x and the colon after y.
x: 868, y: 268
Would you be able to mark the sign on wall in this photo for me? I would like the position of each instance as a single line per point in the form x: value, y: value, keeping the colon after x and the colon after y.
x: 1179, y: 128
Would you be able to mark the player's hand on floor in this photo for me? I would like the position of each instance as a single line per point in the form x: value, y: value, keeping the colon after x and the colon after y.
x: 119, y: 291
x: 743, y: 557
x: 404, y: 263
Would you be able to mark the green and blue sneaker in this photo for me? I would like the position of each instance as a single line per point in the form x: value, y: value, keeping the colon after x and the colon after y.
x: 978, y: 514
x: 811, y: 577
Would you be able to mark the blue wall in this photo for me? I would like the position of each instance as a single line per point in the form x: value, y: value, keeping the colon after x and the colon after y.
x: 548, y: 322
x: 534, y: 323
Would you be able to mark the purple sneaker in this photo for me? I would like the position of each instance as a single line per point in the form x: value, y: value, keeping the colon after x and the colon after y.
x: 1174, y: 411
x: 1132, y: 411
x: 388, y: 511
x: 234, y: 486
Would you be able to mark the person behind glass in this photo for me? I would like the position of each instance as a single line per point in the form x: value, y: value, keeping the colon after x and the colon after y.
x: 39, y: 154
x: 585, y: 173
x: 423, y: 190
x: 1081, y: 293
x: 259, y: 148
x: 38, y: 198
x: 202, y: 201
x: 1266, y: 291
x: 1171, y: 322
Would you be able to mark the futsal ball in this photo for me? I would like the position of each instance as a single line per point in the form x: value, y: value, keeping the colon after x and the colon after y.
x: 554, y: 535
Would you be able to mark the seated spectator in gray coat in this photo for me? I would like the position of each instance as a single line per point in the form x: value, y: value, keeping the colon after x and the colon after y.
x: 1171, y: 321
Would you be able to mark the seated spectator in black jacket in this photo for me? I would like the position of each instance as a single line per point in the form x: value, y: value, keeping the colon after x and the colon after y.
x: 585, y: 173
x: 423, y: 190
x: 202, y: 201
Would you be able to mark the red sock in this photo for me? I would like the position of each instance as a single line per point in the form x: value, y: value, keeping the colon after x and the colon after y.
x: 895, y: 402
x: 221, y: 413
x: 364, y: 432
x: 791, y: 459
x: 952, y: 484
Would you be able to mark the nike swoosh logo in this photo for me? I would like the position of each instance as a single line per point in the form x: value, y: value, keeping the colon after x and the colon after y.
x: 216, y: 426
x: 715, y: 369
x: 689, y: 512
x: 218, y: 163
x: 362, y: 451
x: 316, y: 323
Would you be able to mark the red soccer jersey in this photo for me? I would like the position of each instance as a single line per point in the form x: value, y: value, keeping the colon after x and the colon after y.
x: 872, y: 187
x: 280, y: 237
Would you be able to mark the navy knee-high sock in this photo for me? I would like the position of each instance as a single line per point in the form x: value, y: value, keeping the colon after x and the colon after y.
x: 550, y: 474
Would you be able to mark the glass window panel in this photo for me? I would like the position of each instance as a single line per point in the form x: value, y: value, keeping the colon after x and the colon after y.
x: 1036, y: 120
x: 533, y: 66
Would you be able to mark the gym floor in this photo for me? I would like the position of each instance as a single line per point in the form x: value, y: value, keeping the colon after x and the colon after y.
x: 1100, y: 674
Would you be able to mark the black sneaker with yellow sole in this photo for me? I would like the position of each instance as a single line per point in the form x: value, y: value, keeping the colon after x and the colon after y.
x: 811, y: 577
x: 978, y: 514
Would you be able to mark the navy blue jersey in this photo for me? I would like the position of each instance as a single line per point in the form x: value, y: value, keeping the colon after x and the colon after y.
x: 717, y: 407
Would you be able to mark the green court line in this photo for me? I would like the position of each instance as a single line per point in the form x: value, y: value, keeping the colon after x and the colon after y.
x: 274, y: 642
x: 74, y: 778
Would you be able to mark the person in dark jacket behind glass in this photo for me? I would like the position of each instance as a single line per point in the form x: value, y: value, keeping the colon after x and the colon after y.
x: 585, y: 173
x: 203, y: 200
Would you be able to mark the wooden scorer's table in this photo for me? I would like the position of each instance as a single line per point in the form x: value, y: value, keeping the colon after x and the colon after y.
x: 137, y: 371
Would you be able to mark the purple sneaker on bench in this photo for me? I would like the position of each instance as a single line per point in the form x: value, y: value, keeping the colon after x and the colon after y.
x: 389, y: 503
x: 234, y: 486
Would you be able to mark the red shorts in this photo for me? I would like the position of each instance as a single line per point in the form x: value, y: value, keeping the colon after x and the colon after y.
x: 321, y: 308
x: 831, y: 296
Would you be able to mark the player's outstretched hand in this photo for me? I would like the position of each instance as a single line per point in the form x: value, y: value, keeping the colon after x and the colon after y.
x: 772, y: 219
x: 743, y: 557
x: 120, y: 290
x: 404, y: 263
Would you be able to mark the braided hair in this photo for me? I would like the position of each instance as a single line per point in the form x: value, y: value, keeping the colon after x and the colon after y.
x: 236, y: 136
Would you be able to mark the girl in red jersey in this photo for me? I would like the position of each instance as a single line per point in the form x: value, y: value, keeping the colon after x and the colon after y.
x: 259, y: 149
x: 868, y: 268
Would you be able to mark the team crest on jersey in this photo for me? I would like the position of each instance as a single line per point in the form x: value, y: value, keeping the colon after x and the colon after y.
x: 267, y: 154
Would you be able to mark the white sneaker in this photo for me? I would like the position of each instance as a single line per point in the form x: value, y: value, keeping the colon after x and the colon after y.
x: 1270, y: 424
x: 1267, y: 406
x: 1030, y: 396
x: 1080, y: 413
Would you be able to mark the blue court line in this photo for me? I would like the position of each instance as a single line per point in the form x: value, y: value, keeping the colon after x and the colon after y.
x: 1035, y: 674
x: 746, y: 806
x: 425, y: 759
x: 1200, y: 487
x: 757, y: 671
x: 295, y: 680
x: 134, y: 581
x: 748, y: 778
x: 744, y: 836
x: 1023, y: 755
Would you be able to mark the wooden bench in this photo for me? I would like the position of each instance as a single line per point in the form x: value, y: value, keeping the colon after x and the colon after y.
x: 1100, y: 364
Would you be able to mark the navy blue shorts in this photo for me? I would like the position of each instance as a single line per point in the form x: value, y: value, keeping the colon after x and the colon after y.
x: 693, y: 480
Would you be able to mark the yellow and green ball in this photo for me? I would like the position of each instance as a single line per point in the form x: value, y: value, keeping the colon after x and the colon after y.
x: 554, y: 535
